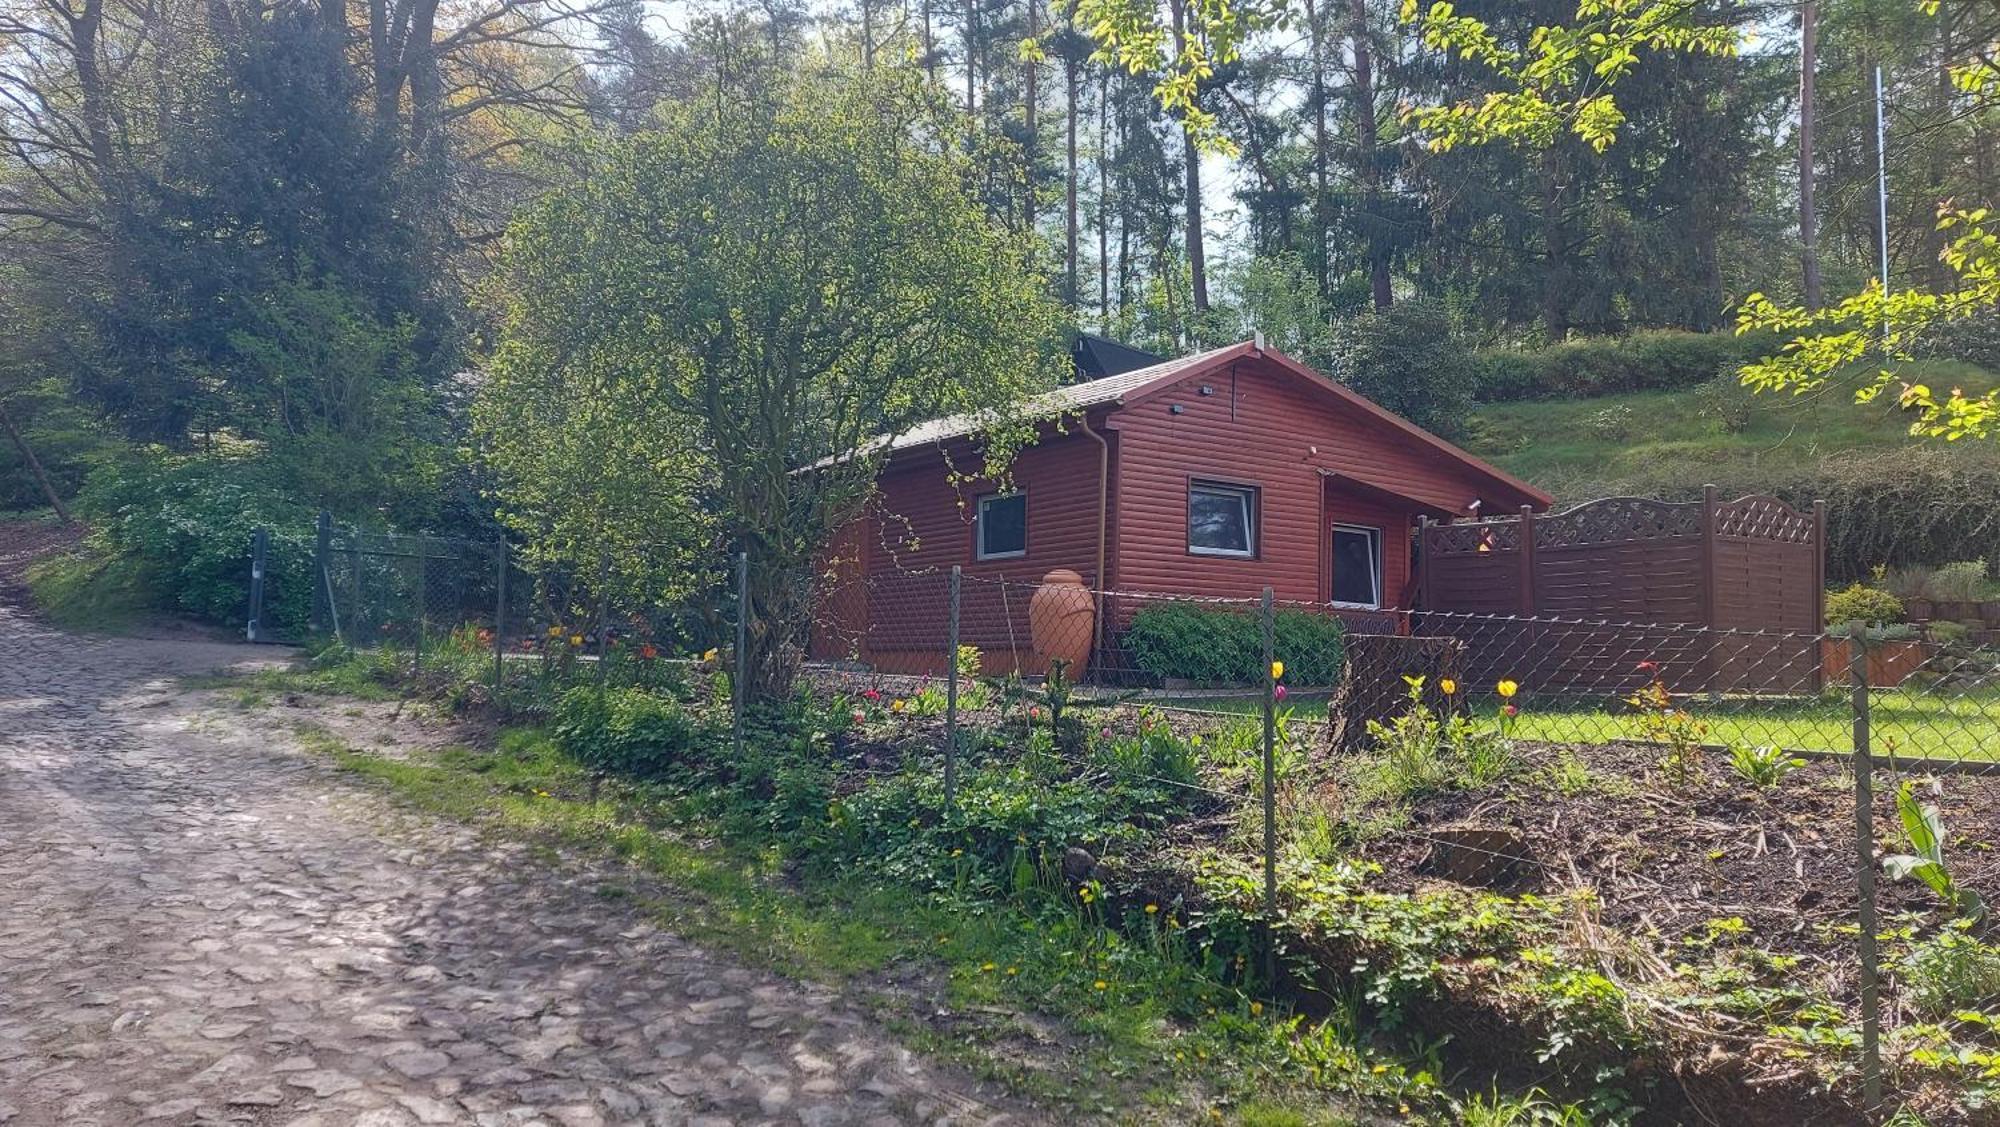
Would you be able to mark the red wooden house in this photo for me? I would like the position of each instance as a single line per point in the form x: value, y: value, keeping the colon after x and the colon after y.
x: 1212, y: 475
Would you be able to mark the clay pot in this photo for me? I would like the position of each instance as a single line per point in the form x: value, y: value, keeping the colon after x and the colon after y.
x: 1061, y: 617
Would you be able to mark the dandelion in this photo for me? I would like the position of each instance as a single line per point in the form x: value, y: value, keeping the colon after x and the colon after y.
x: 1256, y: 1009
x: 1506, y: 689
x: 986, y: 968
x: 1449, y: 686
x: 1013, y: 970
x: 958, y: 853
x: 1279, y: 693
x: 1152, y: 909
x: 1101, y: 984
x: 1277, y: 670
x: 575, y: 640
x: 710, y: 655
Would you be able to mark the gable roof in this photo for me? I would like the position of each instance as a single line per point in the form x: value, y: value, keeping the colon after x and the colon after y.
x: 1139, y: 383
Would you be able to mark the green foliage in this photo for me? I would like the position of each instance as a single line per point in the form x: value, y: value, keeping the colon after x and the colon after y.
x: 735, y: 294
x: 1412, y: 358
x: 1858, y: 602
x: 1950, y: 971
x: 1420, y: 751
x: 1762, y: 766
x: 1963, y: 581
x: 1655, y: 360
x: 185, y: 524
x: 1923, y: 833
x: 623, y: 731
x: 1224, y: 646
x: 1612, y: 424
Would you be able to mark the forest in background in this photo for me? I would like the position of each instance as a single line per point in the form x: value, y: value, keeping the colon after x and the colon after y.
x: 250, y: 247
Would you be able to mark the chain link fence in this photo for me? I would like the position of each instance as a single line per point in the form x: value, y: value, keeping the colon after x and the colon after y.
x: 1798, y: 824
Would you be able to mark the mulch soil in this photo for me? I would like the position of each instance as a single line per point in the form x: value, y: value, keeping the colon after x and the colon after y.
x: 1666, y: 859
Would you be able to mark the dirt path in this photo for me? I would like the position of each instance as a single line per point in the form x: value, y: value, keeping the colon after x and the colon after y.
x: 200, y: 922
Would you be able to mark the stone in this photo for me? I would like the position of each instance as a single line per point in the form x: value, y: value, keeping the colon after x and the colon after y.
x: 418, y: 1064
x: 262, y: 1097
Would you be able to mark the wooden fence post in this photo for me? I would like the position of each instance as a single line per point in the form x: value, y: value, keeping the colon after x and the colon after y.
x: 1526, y: 560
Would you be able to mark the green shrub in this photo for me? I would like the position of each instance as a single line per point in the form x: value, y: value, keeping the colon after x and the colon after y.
x: 1953, y: 970
x: 186, y: 523
x: 1643, y: 361
x: 1411, y: 358
x: 623, y: 731
x: 1611, y: 424
x: 1860, y: 603
x: 1225, y: 646
x: 1960, y: 582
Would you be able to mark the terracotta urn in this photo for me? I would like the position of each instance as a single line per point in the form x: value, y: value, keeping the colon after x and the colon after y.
x: 1061, y: 618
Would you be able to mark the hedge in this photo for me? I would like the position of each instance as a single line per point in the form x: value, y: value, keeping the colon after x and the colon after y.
x: 1655, y: 360
x: 1225, y: 646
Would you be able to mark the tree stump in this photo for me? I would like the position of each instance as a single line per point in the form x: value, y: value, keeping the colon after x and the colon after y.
x: 1372, y: 686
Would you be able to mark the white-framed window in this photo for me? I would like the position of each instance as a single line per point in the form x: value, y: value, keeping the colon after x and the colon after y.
x: 1222, y: 519
x: 1001, y: 526
x: 1357, y: 566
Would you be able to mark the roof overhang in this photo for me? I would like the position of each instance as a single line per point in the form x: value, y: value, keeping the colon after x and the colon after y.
x: 1375, y: 491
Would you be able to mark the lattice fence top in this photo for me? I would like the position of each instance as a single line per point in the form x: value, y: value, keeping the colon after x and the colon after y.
x: 1624, y: 519
x: 1475, y: 536
x: 1763, y: 518
x: 1618, y: 518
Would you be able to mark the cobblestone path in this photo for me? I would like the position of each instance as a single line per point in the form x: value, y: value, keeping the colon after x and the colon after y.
x: 199, y: 922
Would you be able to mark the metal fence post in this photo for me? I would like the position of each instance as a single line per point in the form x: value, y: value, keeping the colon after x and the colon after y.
x: 1270, y: 793
x: 423, y: 601
x: 603, y: 617
x: 736, y: 685
x: 322, y: 597
x: 260, y: 551
x: 1864, y: 869
x: 500, y: 616
x: 951, y: 698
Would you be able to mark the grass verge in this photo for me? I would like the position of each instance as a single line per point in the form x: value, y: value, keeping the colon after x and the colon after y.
x: 1062, y: 1011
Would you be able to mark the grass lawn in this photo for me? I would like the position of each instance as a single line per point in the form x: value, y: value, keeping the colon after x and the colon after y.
x: 1672, y: 446
x: 1948, y: 725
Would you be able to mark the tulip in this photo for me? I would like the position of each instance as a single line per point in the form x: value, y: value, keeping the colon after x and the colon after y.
x: 1507, y: 689
x: 1449, y: 686
x: 1277, y: 670
x: 1279, y: 693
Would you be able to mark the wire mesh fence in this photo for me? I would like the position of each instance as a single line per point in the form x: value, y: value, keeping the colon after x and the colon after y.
x: 1804, y: 819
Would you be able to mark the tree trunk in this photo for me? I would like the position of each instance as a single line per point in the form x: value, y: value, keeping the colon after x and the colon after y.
x: 1322, y: 258
x: 1069, y: 158
x: 1555, y: 251
x: 1808, y: 110
x: 1104, y: 201
x: 1367, y: 138
x: 1197, y: 257
x: 930, y: 44
x: 1030, y: 73
x: 34, y: 466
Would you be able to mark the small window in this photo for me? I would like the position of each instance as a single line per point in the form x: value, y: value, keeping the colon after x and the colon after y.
x: 1357, y: 566
x: 1222, y: 519
x: 1003, y: 526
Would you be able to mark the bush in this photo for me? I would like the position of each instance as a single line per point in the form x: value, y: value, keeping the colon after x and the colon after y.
x: 1960, y: 582
x: 1950, y: 971
x: 1411, y: 359
x: 186, y: 523
x: 1611, y: 424
x: 1859, y: 603
x: 1225, y: 646
x: 1655, y: 360
x: 623, y: 731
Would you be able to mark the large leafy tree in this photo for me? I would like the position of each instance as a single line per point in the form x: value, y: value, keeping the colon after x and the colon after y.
x: 762, y: 283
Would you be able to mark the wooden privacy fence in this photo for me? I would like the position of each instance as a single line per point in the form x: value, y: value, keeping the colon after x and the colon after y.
x: 1752, y: 570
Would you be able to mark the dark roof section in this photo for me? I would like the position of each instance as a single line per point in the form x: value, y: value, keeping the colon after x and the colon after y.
x: 1096, y: 357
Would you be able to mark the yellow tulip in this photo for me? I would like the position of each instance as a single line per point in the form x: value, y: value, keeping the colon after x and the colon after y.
x: 1507, y: 689
x: 1449, y: 686
x: 710, y: 655
x: 1277, y: 670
